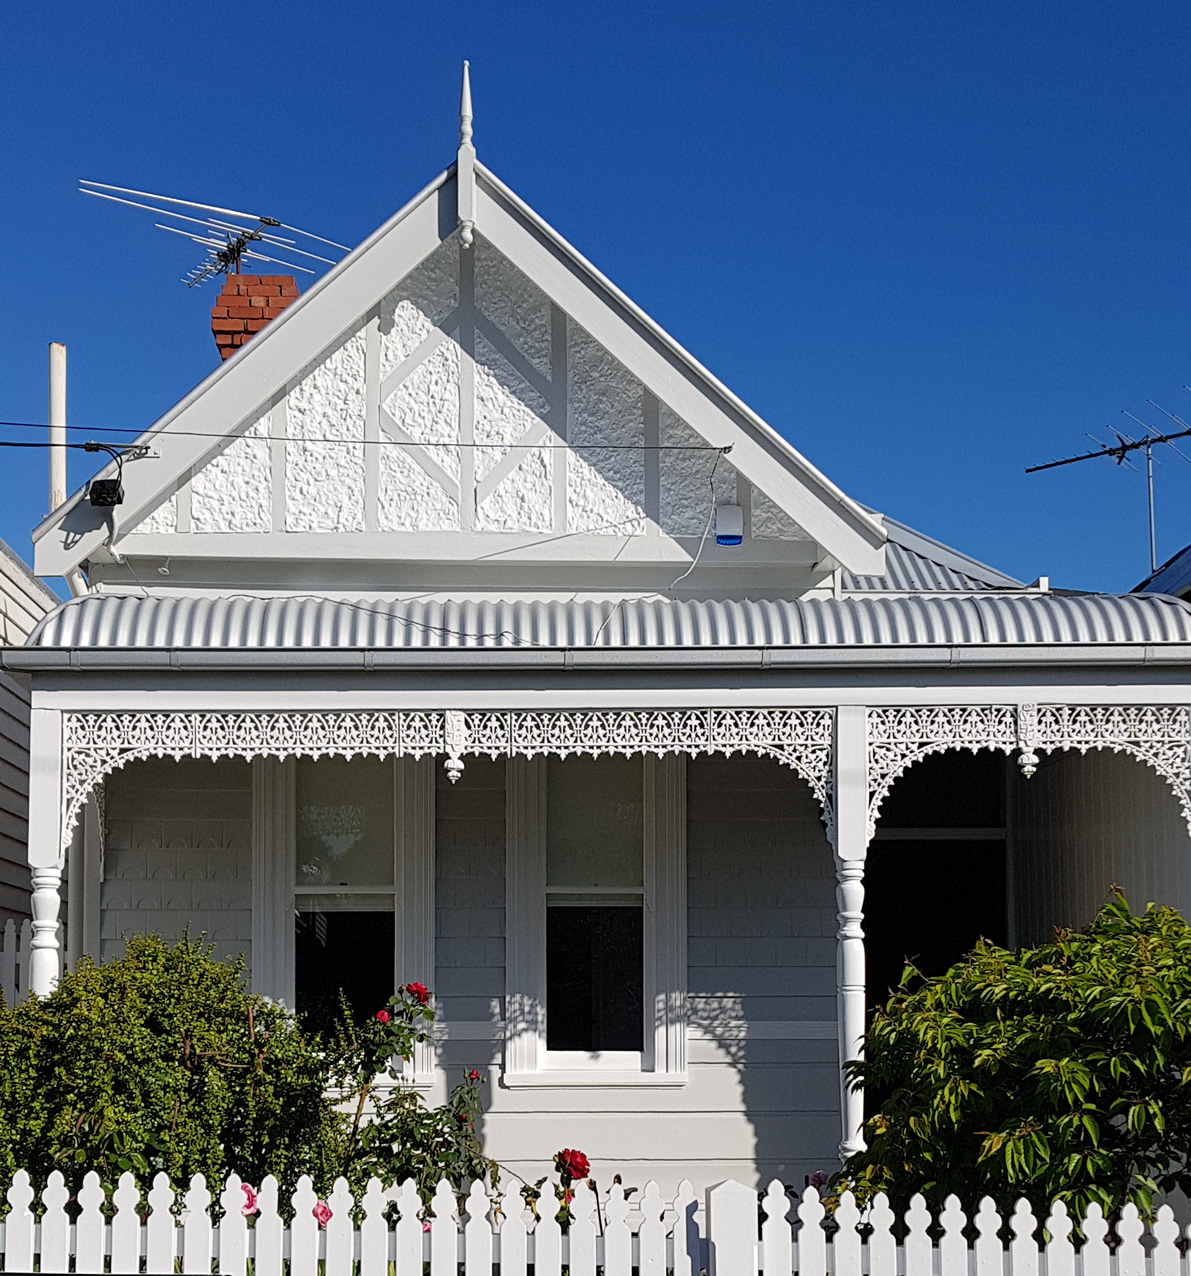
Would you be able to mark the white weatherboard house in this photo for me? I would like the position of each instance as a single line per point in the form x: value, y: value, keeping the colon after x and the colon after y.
x: 408, y: 656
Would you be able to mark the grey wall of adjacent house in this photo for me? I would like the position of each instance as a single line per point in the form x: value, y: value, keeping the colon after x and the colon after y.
x: 23, y: 602
x: 1084, y: 822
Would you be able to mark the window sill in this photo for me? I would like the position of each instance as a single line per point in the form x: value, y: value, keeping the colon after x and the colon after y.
x: 593, y: 1079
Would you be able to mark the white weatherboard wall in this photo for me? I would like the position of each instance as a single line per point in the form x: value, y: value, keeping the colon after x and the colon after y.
x: 761, y: 1096
x: 23, y: 602
x: 178, y: 854
x: 1084, y: 822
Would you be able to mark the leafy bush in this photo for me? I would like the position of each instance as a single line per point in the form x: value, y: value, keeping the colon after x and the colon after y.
x: 159, y: 1060
x: 1055, y: 1073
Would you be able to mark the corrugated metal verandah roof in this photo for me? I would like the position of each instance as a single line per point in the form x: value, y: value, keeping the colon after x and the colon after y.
x: 307, y: 622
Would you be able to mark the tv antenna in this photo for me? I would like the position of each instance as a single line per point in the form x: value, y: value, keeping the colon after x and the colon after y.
x: 229, y: 236
x: 1124, y: 446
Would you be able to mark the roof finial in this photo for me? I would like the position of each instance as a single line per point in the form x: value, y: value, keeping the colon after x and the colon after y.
x: 465, y: 167
x: 465, y: 116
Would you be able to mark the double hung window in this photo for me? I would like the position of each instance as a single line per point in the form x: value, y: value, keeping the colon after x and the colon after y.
x: 595, y: 908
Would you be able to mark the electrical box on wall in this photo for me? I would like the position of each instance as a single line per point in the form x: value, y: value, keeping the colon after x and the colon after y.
x: 729, y: 524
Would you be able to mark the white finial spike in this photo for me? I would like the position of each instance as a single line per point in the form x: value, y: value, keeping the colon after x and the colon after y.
x: 465, y: 115
x: 465, y: 168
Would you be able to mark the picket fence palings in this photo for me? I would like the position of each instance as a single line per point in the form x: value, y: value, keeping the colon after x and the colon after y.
x: 233, y: 1229
x: 547, y: 1237
x: 846, y: 1257
x: 55, y: 1226
x: 409, y: 1230
x: 19, y: 1232
x: 514, y: 1236
x: 126, y: 1227
x: 89, y: 1231
x: 159, y: 1242
x: 269, y: 1233
x: 687, y: 1258
x: 918, y: 1248
x: 1060, y: 1253
x: 777, y: 1240
x: 1166, y: 1257
x: 304, y: 1230
x: 882, y: 1246
x: 630, y: 1234
x: 651, y: 1234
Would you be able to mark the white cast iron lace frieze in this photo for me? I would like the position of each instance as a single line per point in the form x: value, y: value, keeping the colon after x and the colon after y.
x: 1157, y: 736
x: 96, y: 744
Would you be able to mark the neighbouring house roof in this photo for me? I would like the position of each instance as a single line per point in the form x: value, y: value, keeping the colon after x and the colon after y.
x: 109, y: 629
x: 916, y: 563
x: 24, y: 599
x: 1173, y: 577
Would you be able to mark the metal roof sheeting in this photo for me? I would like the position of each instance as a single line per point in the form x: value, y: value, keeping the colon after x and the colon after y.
x: 909, y: 572
x: 246, y: 623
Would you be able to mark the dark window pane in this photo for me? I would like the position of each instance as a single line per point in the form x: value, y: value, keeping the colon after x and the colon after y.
x: 594, y: 982
x: 352, y: 951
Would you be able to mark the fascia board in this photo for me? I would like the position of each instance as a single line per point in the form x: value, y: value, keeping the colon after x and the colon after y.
x: 828, y: 514
x: 250, y: 379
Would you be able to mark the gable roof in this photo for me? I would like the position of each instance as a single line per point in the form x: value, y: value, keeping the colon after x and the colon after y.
x: 247, y: 383
x: 916, y: 563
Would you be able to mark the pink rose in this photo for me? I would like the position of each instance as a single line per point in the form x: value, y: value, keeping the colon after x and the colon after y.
x: 250, y: 1206
x: 419, y: 992
x: 382, y: 1016
x: 322, y: 1212
x: 473, y: 1075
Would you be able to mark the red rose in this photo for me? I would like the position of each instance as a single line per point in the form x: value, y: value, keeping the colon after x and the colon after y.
x: 473, y: 1075
x: 382, y: 1016
x: 571, y: 1164
x: 419, y: 992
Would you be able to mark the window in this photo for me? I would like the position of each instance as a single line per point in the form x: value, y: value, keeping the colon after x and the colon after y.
x: 343, y: 883
x: 344, y: 886
x: 596, y: 917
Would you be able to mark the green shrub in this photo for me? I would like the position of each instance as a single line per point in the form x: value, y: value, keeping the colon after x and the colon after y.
x: 1056, y: 1073
x: 158, y: 1060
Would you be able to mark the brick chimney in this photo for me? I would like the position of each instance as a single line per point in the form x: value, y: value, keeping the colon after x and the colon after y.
x: 245, y: 305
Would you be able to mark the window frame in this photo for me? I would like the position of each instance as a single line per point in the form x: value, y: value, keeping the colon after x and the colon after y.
x: 527, y: 1061
x: 275, y: 894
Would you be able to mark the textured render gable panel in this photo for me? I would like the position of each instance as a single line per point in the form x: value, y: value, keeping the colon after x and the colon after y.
x: 466, y: 402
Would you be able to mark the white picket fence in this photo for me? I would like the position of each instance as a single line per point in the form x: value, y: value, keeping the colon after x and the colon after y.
x: 14, y: 962
x: 643, y: 1234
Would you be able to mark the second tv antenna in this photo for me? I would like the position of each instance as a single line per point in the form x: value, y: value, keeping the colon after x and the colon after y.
x: 1120, y: 452
x: 228, y: 236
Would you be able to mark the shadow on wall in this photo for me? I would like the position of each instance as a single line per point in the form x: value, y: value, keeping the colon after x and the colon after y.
x: 761, y: 957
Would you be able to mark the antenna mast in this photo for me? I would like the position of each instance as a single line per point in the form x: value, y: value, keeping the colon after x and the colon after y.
x: 1120, y: 452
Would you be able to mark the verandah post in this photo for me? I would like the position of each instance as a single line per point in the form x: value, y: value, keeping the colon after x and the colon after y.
x: 45, y: 849
x: 851, y: 847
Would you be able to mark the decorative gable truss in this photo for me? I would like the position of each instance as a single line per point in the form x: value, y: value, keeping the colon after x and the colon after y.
x: 467, y: 403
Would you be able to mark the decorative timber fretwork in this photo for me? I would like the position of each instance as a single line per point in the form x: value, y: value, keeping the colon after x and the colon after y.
x: 96, y: 744
x: 1158, y: 736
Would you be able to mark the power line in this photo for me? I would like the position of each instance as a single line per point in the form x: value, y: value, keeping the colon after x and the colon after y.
x: 273, y: 438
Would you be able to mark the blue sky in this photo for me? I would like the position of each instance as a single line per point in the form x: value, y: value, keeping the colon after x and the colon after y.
x: 932, y: 243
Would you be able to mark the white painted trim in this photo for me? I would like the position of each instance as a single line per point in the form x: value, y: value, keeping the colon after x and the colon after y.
x: 273, y: 840
x: 414, y: 905
x: 238, y: 390
x: 841, y: 526
x: 527, y: 1060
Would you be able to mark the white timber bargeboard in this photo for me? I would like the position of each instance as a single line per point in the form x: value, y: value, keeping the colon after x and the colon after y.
x: 255, y: 376
x: 825, y: 512
x: 260, y: 374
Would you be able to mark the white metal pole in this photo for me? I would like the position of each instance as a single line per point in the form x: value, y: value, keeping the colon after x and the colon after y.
x: 57, y: 425
x: 1150, y: 484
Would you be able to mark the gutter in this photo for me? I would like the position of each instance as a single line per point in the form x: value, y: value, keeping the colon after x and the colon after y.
x: 256, y: 659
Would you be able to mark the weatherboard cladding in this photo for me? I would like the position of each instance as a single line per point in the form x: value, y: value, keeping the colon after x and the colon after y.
x: 242, y: 622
